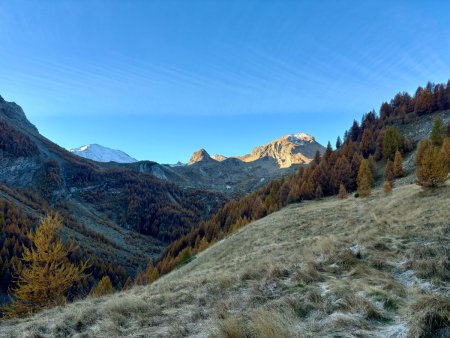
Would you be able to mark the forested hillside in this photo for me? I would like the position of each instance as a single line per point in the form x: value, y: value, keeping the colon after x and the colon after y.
x: 119, y: 218
x: 376, y: 138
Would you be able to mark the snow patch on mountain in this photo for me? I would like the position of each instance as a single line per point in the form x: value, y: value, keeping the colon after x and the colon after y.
x: 99, y: 153
x: 300, y: 138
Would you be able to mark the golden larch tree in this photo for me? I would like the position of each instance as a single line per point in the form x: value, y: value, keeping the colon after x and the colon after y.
x: 438, y: 132
x: 47, y: 273
x: 152, y: 272
x: 364, y: 179
x: 398, y: 165
x: 387, y: 187
x: 389, y: 171
x: 104, y: 287
x: 342, y: 192
x: 445, y: 152
x: 431, y: 170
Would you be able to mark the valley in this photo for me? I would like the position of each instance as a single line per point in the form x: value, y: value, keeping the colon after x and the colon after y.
x: 123, y: 214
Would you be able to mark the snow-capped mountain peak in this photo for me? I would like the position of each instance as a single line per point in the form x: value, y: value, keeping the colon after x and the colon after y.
x: 99, y: 153
x: 300, y: 138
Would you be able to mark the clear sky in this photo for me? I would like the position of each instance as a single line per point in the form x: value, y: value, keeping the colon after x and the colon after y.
x: 161, y: 79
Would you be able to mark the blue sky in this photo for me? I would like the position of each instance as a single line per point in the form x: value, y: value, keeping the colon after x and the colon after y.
x: 161, y: 79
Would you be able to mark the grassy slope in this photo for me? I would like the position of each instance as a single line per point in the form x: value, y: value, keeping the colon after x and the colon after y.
x: 353, y: 268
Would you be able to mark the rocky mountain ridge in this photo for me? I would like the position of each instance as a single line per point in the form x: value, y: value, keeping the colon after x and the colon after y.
x: 287, y: 150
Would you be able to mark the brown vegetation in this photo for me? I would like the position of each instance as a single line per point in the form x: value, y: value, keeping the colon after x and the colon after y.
x: 14, y: 143
x: 387, y: 187
x: 323, y: 268
x: 103, y: 288
x: 389, y: 171
x: 398, y: 170
x: 431, y: 170
x: 46, y: 274
x: 364, y: 180
x: 342, y: 192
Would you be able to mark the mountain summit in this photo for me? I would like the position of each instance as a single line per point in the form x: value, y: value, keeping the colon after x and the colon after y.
x: 198, y: 156
x: 99, y: 153
x: 287, y: 150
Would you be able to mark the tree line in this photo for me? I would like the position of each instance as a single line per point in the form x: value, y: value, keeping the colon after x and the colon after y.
x: 14, y: 143
x: 351, y: 166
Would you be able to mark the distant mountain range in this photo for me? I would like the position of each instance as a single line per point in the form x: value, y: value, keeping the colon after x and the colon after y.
x: 233, y: 176
x: 287, y: 150
x: 100, y: 153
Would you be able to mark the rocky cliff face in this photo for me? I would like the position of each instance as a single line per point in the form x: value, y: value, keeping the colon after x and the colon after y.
x: 13, y: 114
x: 287, y: 150
x: 238, y: 175
x: 200, y: 156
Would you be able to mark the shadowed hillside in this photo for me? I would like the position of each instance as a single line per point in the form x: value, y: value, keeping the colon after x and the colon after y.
x: 118, y: 216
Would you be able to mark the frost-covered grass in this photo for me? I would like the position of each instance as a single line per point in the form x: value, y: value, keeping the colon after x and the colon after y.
x: 351, y: 268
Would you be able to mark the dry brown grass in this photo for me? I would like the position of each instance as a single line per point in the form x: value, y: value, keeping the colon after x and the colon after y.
x: 317, y: 269
x: 430, y: 317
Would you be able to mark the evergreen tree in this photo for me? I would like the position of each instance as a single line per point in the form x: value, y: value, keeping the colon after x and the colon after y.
x: 441, y: 98
x: 342, y: 192
x: 307, y: 189
x: 438, y: 132
x: 47, y: 273
x: 128, y: 284
x: 379, y: 146
x: 328, y: 152
x: 319, y: 193
x: 385, y: 111
x: 445, y: 152
x: 152, y: 272
x: 372, y: 165
x: 317, y: 158
x: 398, y: 165
x: 389, y: 171
x: 392, y: 141
x: 364, y: 180
x: 338, y: 142
x: 367, y: 145
x: 349, y: 149
x: 447, y: 89
x: 104, y: 287
x: 355, y: 164
x: 355, y: 131
x: 341, y: 173
x: 431, y: 170
x: 425, y: 102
